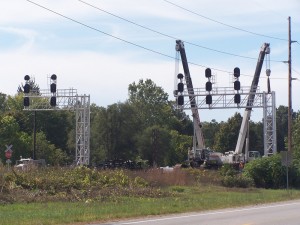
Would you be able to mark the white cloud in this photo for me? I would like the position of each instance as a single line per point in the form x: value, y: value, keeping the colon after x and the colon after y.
x: 103, y: 66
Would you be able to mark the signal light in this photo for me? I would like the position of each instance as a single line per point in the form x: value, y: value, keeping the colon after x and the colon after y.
x: 208, y: 86
x: 237, y: 98
x: 53, y: 77
x: 26, y: 88
x: 26, y: 101
x: 237, y: 85
x: 180, y: 100
x: 180, y: 87
x: 53, y: 101
x: 208, y: 73
x: 53, y: 88
x: 236, y: 72
x: 208, y: 99
x: 180, y: 76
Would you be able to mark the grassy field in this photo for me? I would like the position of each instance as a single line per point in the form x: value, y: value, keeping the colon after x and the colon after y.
x: 184, y: 199
x: 171, y: 193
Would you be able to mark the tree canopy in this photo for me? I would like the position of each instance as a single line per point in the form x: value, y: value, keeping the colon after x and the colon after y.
x: 146, y: 126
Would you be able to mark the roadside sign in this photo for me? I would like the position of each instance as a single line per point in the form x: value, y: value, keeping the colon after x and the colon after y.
x: 8, y: 151
x: 286, y: 158
x: 8, y: 154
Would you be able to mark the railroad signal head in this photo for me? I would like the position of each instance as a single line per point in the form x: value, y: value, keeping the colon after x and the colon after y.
x: 26, y: 101
x: 27, y: 77
x: 27, y: 88
x: 180, y: 76
x: 208, y: 73
x: 208, y: 86
x: 237, y: 85
x: 180, y: 87
x: 236, y: 72
x: 237, y: 98
x: 180, y: 100
x: 208, y: 99
x: 53, y: 77
x: 53, y: 88
x: 53, y: 101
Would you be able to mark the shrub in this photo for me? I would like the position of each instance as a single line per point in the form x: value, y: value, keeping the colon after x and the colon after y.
x: 140, y: 182
x: 228, y: 170
x: 237, y: 181
x: 266, y: 172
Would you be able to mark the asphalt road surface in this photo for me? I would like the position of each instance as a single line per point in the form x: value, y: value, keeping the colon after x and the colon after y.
x: 284, y: 213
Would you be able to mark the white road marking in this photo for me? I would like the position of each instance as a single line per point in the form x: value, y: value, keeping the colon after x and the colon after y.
x: 212, y: 213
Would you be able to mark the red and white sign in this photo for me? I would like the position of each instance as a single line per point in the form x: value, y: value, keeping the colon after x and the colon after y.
x: 8, y: 152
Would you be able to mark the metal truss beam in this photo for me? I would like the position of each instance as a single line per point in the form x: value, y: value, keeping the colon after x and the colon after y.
x: 222, y: 98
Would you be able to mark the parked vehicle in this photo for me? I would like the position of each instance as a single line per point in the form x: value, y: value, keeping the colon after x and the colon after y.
x: 29, y: 163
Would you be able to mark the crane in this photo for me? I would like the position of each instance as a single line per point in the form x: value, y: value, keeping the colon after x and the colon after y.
x: 195, y: 114
x: 235, y: 157
x: 199, y: 153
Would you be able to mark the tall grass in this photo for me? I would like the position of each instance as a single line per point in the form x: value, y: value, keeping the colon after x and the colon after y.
x: 190, y: 199
x: 67, y: 196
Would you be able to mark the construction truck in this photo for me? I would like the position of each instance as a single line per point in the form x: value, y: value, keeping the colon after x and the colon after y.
x: 25, y: 164
x: 236, y: 157
x: 198, y: 154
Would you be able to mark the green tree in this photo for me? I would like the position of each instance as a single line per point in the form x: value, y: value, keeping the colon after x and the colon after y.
x: 114, y: 131
x: 256, y: 142
x: 51, y: 154
x: 3, y: 102
x: 10, y: 134
x: 98, y: 129
x: 149, y: 101
x: 295, y: 169
x: 210, y: 129
x: 226, y: 138
x: 296, y: 136
x: 180, y: 144
x: 55, y: 125
x: 154, y: 144
x: 282, y: 127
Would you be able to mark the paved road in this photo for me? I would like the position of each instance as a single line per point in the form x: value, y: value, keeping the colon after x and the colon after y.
x: 284, y: 213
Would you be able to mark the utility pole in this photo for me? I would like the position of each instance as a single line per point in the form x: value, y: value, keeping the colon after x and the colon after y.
x: 290, y: 91
x: 34, y: 137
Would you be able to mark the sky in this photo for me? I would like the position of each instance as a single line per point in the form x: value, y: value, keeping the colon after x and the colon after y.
x: 99, y: 47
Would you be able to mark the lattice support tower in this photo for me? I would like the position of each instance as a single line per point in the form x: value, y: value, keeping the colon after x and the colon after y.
x: 83, y: 130
x: 270, y: 139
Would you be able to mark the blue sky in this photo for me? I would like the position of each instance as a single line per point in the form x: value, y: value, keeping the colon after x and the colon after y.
x: 94, y: 60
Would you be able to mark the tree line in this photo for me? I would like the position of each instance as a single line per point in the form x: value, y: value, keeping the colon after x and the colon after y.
x: 147, y: 126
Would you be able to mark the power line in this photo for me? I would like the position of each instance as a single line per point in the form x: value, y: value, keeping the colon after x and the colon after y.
x: 169, y: 36
x: 100, y: 31
x: 224, y: 24
x: 128, y: 42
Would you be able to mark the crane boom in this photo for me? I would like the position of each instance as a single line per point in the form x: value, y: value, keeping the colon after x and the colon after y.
x: 196, y: 118
x: 265, y: 49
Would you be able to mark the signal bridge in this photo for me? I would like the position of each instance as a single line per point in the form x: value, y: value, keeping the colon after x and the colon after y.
x: 63, y: 99
x: 223, y: 98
